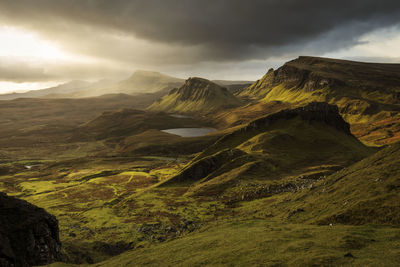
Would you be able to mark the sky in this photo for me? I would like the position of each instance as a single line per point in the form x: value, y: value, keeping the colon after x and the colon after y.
x: 47, y: 42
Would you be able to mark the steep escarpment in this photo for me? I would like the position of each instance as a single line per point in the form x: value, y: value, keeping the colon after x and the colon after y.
x: 28, y: 234
x: 364, y: 92
x: 301, y: 141
x: 196, y: 95
x: 311, y: 74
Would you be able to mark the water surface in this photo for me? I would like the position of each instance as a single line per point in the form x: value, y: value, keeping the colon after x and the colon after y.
x: 180, y: 116
x: 190, y: 132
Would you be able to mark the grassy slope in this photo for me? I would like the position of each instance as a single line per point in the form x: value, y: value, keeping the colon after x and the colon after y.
x: 266, y: 243
x: 366, y: 192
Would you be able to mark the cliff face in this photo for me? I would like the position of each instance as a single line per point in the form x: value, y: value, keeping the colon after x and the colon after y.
x: 315, y: 111
x: 28, y: 235
x: 367, y: 94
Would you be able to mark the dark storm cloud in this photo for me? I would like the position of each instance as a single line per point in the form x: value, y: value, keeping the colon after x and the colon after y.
x: 214, y: 38
x: 219, y: 29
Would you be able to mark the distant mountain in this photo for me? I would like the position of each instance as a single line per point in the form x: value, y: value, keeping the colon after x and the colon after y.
x: 65, y: 88
x: 196, y: 95
x: 310, y: 140
x: 364, y: 92
x: 140, y: 82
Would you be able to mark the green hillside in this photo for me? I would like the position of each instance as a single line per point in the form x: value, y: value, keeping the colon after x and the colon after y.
x: 310, y: 140
x: 365, y: 192
x: 196, y: 95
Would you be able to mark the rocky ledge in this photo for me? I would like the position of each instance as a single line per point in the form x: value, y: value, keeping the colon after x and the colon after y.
x: 29, y: 236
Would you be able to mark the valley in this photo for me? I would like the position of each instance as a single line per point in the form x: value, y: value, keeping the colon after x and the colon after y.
x: 300, y: 168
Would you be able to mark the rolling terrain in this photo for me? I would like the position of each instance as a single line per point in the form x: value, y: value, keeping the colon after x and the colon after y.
x: 287, y: 177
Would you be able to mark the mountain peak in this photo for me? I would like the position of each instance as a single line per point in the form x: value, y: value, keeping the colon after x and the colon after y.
x: 196, y: 94
x: 147, y: 73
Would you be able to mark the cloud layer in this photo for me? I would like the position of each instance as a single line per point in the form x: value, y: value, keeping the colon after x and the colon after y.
x: 168, y: 34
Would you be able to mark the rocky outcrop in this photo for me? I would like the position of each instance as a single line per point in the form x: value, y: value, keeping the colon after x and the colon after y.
x: 29, y: 236
x: 202, y: 168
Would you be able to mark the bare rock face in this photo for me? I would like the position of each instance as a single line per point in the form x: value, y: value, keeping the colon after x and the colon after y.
x: 29, y: 236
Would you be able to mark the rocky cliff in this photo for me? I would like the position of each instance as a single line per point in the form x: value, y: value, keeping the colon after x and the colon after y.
x: 367, y: 94
x: 312, y: 73
x: 28, y: 235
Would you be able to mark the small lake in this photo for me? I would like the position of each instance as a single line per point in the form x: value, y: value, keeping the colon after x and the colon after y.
x: 189, y: 132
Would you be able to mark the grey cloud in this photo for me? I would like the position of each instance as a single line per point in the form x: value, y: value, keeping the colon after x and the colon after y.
x: 221, y: 29
x: 19, y: 71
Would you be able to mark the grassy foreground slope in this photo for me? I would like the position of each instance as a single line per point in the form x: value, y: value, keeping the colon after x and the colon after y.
x: 365, y: 93
x: 196, y: 95
x: 267, y: 243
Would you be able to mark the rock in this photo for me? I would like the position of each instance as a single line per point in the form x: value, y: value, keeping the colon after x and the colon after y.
x: 349, y: 255
x: 28, y: 234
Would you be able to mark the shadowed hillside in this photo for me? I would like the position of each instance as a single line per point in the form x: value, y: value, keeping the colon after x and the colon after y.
x: 126, y: 122
x: 42, y: 127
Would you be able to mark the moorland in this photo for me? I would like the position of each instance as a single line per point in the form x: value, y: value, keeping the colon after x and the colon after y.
x: 301, y: 167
